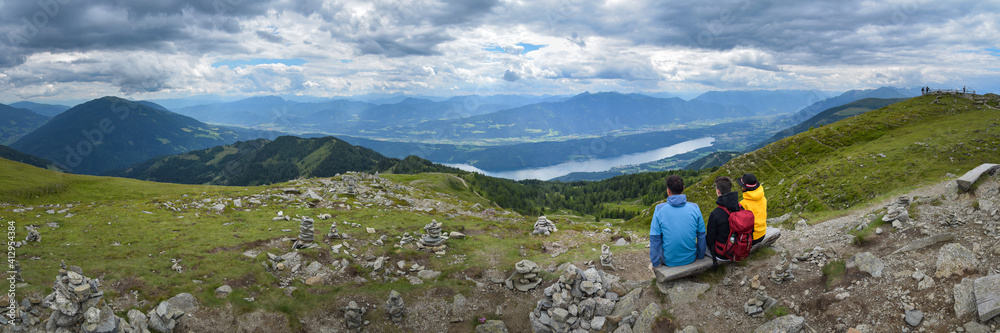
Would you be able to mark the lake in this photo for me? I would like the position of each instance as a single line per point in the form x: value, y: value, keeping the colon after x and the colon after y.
x: 593, y: 165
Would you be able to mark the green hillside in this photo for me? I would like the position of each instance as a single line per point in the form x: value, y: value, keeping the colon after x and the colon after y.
x: 16, y: 122
x: 872, y: 155
x: 830, y: 116
x: 14, y: 155
x: 112, y: 133
x: 712, y: 160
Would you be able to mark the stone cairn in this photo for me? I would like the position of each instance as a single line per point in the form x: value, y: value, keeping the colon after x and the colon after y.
x: 281, y: 217
x: 897, y: 213
x: 354, y: 316
x: 525, y: 276
x: 407, y: 239
x: 394, y: 307
x: 578, y: 301
x: 33, y: 235
x: 432, y: 241
x: 544, y: 227
x: 75, y: 297
x: 606, y: 257
x: 334, y: 234
x: 756, y: 305
x: 307, y: 234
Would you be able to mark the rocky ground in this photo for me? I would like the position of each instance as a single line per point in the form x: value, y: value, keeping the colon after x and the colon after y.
x: 923, y: 270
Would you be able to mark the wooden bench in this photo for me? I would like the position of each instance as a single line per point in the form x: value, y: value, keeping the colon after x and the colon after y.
x: 665, y: 274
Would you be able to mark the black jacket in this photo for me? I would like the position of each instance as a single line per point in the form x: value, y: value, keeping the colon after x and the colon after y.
x: 718, y: 220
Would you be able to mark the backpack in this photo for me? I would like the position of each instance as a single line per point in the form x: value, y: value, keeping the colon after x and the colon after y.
x: 737, y: 247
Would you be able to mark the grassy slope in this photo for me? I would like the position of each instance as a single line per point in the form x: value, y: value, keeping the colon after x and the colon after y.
x: 109, y: 210
x: 838, y: 166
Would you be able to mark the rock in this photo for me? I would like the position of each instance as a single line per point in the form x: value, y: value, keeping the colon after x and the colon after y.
x: 647, y: 319
x: 414, y: 280
x: 926, y: 283
x: 492, y: 326
x: 626, y: 304
x: 223, y: 291
x: 955, y: 259
x: 314, y: 281
x: 783, y: 324
x: 686, y: 292
x: 394, y: 307
x: 624, y: 329
x: 926, y: 242
x: 692, y: 329
x: 458, y: 307
x: 965, y: 182
x: 621, y: 242
x: 867, y: 262
x: 965, y: 303
x: 456, y: 235
x: 184, y: 302
x: 986, y: 291
x: 428, y: 274
x: 544, y: 227
x: 354, y: 315
x: 914, y: 317
x: 138, y: 321
x: 370, y: 230
x: 974, y: 327
x: 597, y: 323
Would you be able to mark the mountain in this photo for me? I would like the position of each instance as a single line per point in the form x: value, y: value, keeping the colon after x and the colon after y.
x: 264, y: 161
x: 48, y: 110
x: 830, y: 116
x: 765, y: 102
x: 584, y: 114
x: 16, y: 156
x: 851, y: 96
x: 113, y: 133
x: 712, y: 160
x: 873, y: 155
x: 16, y: 122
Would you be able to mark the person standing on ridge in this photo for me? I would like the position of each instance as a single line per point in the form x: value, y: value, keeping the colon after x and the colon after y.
x: 677, y: 231
x: 754, y: 200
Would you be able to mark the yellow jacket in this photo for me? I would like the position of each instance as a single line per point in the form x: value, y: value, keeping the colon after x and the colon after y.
x: 756, y: 203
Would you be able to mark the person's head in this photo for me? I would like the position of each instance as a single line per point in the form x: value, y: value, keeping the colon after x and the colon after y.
x: 723, y: 185
x: 675, y: 185
x: 748, y: 182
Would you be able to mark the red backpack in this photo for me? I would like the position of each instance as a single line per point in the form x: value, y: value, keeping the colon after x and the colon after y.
x: 737, y: 247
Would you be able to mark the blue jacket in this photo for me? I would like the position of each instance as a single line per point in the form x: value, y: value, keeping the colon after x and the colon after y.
x: 677, y: 233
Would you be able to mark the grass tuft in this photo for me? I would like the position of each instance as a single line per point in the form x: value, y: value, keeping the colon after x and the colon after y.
x: 833, y: 273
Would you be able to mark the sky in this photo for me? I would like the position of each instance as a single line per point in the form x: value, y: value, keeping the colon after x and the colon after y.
x: 77, y: 50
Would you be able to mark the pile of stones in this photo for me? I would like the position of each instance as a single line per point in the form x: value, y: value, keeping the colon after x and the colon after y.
x: 525, y: 276
x: 897, y: 213
x: 307, y: 234
x: 783, y: 272
x: 756, y: 305
x: 33, y: 235
x: 354, y: 316
x: 432, y: 241
x: 583, y: 301
x: 394, y: 307
x: 818, y: 256
x: 165, y: 317
x: 544, y: 227
x: 334, y: 234
x: 407, y: 239
x: 281, y: 217
x: 606, y: 257
x: 74, y: 296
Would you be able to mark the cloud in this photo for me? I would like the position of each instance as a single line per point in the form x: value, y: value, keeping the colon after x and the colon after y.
x: 511, y: 76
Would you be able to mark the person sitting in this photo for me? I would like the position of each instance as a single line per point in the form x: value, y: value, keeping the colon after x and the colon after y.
x: 718, y: 219
x: 754, y: 200
x: 677, y: 231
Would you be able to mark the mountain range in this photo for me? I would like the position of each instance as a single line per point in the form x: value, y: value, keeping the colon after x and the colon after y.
x: 16, y: 122
x: 113, y: 133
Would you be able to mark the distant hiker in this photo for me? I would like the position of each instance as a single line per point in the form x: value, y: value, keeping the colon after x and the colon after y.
x: 922, y: 92
x: 963, y: 89
x: 730, y: 227
x: 754, y: 200
x: 677, y: 232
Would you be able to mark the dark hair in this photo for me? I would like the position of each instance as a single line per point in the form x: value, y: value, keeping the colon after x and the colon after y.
x: 723, y: 184
x: 675, y: 184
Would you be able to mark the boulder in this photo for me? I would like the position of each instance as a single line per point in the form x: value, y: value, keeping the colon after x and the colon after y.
x: 926, y: 242
x: 626, y: 304
x: 492, y: 326
x: 647, y: 319
x: 955, y: 259
x: 223, y: 291
x: 137, y: 320
x: 987, y: 295
x: 867, y: 262
x: 965, y: 303
x: 913, y: 317
x: 458, y: 309
x: 783, y: 324
x: 686, y: 292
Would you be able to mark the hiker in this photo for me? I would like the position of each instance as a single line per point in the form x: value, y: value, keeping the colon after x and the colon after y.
x: 923, y: 91
x: 718, y: 219
x: 677, y: 232
x: 754, y: 200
